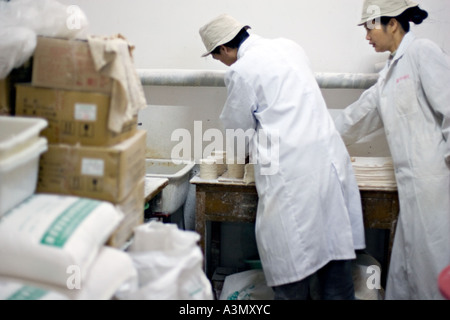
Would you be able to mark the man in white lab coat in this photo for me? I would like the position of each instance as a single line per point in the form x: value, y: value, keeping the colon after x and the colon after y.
x: 411, y: 100
x: 309, y: 218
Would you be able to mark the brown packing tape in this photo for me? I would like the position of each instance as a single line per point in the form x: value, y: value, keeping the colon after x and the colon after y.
x: 103, y: 173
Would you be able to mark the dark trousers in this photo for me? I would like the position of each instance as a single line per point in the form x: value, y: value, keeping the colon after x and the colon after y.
x: 332, y: 282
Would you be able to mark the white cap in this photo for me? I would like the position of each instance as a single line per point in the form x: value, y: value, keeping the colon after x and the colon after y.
x: 373, y: 9
x: 219, y: 31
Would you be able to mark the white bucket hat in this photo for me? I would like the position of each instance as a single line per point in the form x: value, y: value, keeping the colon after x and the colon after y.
x: 219, y: 31
x: 373, y: 9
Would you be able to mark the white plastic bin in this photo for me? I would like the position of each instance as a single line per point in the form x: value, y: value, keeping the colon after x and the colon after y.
x: 175, y: 193
x: 18, y: 174
x: 16, y: 133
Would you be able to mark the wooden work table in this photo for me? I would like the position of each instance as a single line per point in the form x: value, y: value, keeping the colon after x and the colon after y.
x: 227, y: 201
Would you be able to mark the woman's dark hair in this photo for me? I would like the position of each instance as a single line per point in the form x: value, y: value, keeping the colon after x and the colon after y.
x: 414, y: 14
x: 235, y: 43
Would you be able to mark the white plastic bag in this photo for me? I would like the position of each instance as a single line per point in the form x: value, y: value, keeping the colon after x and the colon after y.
x: 169, y: 264
x: 21, y: 21
x: 48, y: 18
x: 247, y: 285
x: 17, y: 45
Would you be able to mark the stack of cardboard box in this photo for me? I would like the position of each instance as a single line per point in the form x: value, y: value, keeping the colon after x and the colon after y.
x: 84, y: 158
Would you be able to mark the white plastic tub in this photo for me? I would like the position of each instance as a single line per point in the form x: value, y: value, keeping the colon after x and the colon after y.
x: 18, y: 174
x: 16, y: 133
x: 175, y: 193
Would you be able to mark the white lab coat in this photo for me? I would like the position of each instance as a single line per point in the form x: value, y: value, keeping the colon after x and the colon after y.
x: 412, y: 101
x: 309, y: 212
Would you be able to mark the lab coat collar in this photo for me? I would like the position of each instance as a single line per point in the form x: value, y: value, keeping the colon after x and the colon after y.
x: 406, y: 41
x: 246, y: 44
x: 404, y: 45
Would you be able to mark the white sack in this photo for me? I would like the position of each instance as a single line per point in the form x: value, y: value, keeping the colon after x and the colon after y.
x: 247, y: 285
x: 47, y: 234
x: 169, y: 264
x: 111, y: 270
x: 16, y: 290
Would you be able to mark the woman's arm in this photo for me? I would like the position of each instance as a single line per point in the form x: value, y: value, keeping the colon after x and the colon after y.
x: 360, y: 118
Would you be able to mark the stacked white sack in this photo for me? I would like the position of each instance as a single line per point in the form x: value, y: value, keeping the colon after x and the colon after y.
x: 49, y: 238
x: 111, y: 271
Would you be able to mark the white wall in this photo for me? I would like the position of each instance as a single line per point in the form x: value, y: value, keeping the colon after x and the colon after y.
x: 165, y: 33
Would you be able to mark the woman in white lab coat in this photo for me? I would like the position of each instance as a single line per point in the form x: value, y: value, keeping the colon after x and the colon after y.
x: 411, y: 100
x: 309, y: 216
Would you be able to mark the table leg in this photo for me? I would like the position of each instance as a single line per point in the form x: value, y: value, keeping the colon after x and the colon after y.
x: 200, y: 223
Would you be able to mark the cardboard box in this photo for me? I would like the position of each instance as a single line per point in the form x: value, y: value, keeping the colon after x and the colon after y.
x: 133, y: 209
x: 67, y: 64
x: 5, y: 107
x: 73, y: 116
x: 103, y: 173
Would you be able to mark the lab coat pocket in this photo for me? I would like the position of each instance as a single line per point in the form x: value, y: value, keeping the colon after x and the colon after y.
x: 405, y: 96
